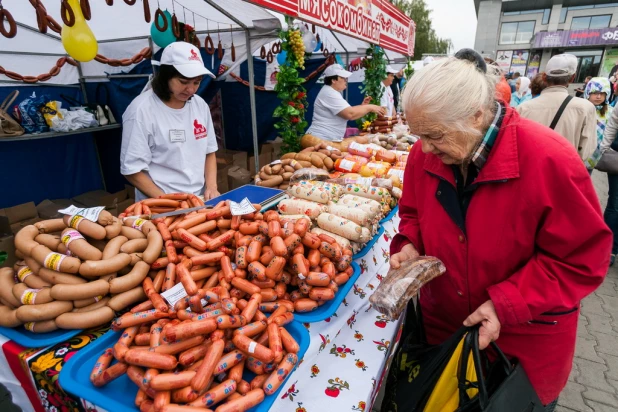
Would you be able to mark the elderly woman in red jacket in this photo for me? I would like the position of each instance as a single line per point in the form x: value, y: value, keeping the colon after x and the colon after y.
x: 509, y: 208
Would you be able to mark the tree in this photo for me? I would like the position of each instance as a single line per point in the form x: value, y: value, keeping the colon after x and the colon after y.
x: 427, y: 41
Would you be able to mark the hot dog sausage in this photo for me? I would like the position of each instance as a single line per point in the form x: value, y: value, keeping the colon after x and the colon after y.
x: 150, y: 359
x: 280, y: 373
x: 85, y: 320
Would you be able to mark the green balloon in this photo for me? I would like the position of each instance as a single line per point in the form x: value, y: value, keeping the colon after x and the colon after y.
x: 165, y: 38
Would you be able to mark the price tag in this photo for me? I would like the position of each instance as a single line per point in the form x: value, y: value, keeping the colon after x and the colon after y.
x: 243, y: 208
x: 174, y: 294
x: 91, y: 214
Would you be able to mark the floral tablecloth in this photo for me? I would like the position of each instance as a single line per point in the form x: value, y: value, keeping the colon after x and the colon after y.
x: 341, y: 371
x: 346, y: 361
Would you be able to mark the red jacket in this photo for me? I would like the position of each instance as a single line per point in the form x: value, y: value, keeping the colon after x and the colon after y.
x: 534, y: 243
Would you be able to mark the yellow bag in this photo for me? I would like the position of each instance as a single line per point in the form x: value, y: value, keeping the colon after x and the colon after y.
x: 50, y: 110
x: 445, y: 395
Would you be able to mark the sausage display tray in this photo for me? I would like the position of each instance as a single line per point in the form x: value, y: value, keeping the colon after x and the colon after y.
x: 29, y: 339
x: 119, y: 395
x: 330, y: 307
x: 391, y: 215
x: 361, y: 253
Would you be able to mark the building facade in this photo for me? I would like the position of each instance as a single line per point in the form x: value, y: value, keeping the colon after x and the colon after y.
x: 522, y: 35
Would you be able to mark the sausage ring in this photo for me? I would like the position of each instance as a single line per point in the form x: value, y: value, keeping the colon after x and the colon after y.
x: 161, y: 15
x: 53, y: 24
x: 68, y: 16
x: 147, y: 15
x: 209, y: 45
x: 269, y: 57
x: 12, y: 31
x: 263, y: 53
x: 196, y: 41
x: 109, y: 2
x: 41, y: 19
x: 85, y: 6
x: 175, y: 27
x: 325, y: 52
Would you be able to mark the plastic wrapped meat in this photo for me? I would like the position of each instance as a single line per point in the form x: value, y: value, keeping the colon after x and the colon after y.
x: 400, y: 285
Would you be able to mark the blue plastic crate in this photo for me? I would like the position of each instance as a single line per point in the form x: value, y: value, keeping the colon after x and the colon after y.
x: 361, y: 253
x: 391, y: 215
x: 29, y: 339
x: 329, y: 308
x: 119, y: 395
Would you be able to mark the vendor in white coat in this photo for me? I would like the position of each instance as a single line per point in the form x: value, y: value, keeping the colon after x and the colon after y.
x: 168, y: 138
x: 331, y: 111
x: 388, y: 100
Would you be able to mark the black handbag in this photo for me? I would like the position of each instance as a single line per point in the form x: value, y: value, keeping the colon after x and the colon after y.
x: 502, y: 385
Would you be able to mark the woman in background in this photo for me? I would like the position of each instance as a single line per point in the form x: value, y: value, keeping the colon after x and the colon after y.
x: 522, y: 91
x: 537, y: 85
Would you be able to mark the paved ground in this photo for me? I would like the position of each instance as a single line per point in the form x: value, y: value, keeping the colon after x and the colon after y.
x: 593, y: 384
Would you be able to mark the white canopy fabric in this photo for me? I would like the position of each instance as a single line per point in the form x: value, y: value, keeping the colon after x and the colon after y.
x: 122, y: 32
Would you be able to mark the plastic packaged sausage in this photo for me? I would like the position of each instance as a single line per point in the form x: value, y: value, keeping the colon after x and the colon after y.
x: 403, y: 284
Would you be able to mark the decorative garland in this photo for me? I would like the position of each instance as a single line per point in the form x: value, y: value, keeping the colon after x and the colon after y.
x: 291, y: 111
x: 41, y: 77
x: 329, y: 60
x: 375, y: 73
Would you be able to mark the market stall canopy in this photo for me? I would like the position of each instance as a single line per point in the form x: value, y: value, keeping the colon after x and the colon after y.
x: 122, y: 31
x: 374, y: 21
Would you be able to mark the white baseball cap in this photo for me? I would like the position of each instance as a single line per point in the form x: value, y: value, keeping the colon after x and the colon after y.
x: 390, y: 70
x: 561, y: 65
x: 336, y: 70
x: 185, y: 58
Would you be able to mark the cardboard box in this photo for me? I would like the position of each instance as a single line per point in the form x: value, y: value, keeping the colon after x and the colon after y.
x: 7, y: 250
x: 100, y: 198
x: 238, y: 176
x: 121, y: 206
x: 232, y: 157
x: 18, y: 213
x: 264, y: 159
x: 48, y: 209
x: 16, y: 227
x: 222, y: 170
x: 130, y: 192
x: 274, y: 147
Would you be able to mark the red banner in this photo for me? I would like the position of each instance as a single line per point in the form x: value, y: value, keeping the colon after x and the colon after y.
x: 375, y: 21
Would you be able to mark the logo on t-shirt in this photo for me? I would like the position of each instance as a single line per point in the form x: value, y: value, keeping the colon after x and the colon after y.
x: 194, y: 56
x: 199, y: 130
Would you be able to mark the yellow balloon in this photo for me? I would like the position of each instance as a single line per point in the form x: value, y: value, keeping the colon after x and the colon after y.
x: 79, y: 41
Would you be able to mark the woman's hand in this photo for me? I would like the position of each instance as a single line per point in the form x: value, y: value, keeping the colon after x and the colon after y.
x: 490, y: 325
x: 378, y: 109
x: 210, y: 193
x: 408, y: 252
x: 367, y: 100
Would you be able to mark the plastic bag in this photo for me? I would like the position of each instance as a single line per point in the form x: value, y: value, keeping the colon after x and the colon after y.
x: 401, y: 285
x: 72, y: 120
x: 309, y: 173
x: 51, y: 110
x: 30, y: 116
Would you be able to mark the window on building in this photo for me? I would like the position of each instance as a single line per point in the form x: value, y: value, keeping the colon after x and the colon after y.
x: 600, y: 22
x: 590, y: 22
x: 565, y: 10
x: 588, y: 63
x: 563, y: 13
x: 516, y: 32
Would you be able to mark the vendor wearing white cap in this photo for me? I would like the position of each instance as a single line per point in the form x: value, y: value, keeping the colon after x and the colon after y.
x: 331, y: 111
x: 168, y: 139
x: 388, y: 100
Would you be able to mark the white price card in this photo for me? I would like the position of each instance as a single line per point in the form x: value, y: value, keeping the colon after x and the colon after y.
x: 91, y: 214
x: 243, y: 208
x: 173, y: 295
x: 177, y: 293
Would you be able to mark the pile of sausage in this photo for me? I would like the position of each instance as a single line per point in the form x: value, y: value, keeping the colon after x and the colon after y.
x: 266, y: 253
x: 184, y: 361
x: 76, y: 273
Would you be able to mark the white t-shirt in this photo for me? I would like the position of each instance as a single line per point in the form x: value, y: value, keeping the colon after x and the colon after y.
x: 387, y: 100
x: 326, y: 124
x: 170, y: 145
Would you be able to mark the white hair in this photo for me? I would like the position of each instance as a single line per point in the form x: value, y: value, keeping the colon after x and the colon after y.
x: 452, y: 91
